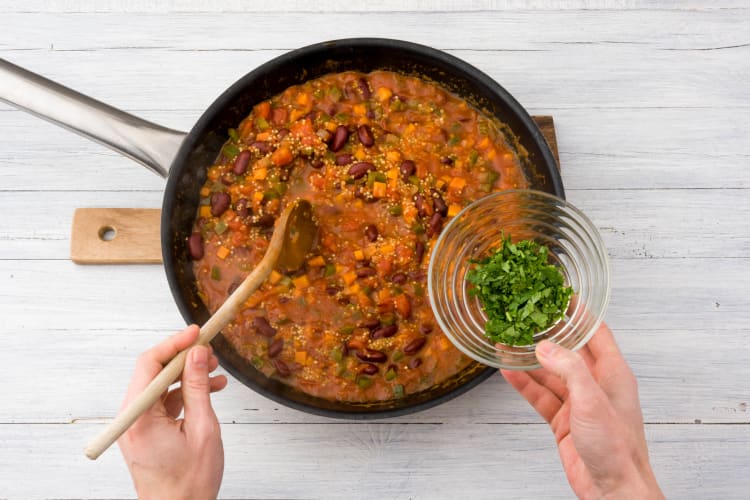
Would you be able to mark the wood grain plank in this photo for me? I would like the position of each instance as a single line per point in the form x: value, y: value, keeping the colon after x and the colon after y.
x: 567, y: 75
x: 116, y: 236
x: 430, y: 461
x: 468, y: 28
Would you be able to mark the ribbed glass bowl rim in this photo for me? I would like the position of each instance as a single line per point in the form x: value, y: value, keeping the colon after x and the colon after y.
x: 583, y: 219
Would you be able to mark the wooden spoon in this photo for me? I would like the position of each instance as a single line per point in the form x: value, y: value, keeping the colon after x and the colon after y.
x: 292, y: 239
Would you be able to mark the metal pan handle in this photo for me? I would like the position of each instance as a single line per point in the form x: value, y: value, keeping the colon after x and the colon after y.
x: 149, y: 144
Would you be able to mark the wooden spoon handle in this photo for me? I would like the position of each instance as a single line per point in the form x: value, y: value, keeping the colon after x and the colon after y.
x: 172, y: 371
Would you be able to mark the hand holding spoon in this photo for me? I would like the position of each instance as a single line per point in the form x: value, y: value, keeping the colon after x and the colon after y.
x: 292, y: 239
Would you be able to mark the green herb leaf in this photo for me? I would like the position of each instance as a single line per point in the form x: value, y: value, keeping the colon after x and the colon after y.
x: 520, y: 292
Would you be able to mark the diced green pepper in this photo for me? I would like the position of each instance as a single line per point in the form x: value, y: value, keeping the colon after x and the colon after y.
x: 413, y: 179
x: 398, y: 391
x: 390, y: 374
x: 257, y: 362
x: 418, y: 290
x: 220, y: 227
x: 318, y: 93
x: 215, y: 273
x: 330, y: 270
x: 234, y: 135
x: 395, y: 210
x: 473, y: 157
x: 364, y: 382
x: 336, y: 354
x: 418, y: 228
x: 230, y: 151
x: 334, y: 93
x: 261, y: 123
x: 388, y: 319
x: 285, y: 281
x: 397, y: 356
x: 346, y: 330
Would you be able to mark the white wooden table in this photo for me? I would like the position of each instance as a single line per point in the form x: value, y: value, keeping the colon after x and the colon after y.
x: 650, y: 103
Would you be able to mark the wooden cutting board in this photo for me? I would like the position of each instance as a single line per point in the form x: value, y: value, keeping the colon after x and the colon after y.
x: 132, y: 235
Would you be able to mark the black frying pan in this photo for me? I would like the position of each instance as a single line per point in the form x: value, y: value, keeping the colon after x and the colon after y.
x: 185, y: 159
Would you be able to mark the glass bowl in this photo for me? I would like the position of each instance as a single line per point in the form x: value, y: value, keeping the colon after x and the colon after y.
x: 575, y: 246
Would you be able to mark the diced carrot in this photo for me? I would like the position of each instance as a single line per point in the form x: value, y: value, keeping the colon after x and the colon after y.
x: 317, y: 261
x: 301, y: 281
x: 384, y: 295
x: 263, y: 109
x: 246, y: 128
x: 484, y: 142
x: 354, y: 289
x: 491, y: 154
x: 258, y: 196
x: 213, y: 174
x: 370, y: 250
x: 263, y: 136
x: 378, y: 189
x: 383, y: 94
x: 205, y: 211
x: 359, y: 109
x: 392, y: 173
x: 384, y: 267
x: 282, y: 156
x: 453, y: 209
x: 205, y: 191
x: 303, y: 98
x: 360, y: 154
x: 393, y: 156
x: 296, y: 115
x: 300, y: 357
x: 410, y: 214
x: 238, y: 239
x: 386, y: 249
x: 403, y: 305
x: 331, y: 126
x: 223, y: 252
x: 349, y: 277
x: 260, y: 173
x: 359, y: 254
x: 457, y: 184
x: 275, y: 277
x: 440, y: 183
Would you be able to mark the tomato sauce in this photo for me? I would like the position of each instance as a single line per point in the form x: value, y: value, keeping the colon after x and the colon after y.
x: 385, y: 160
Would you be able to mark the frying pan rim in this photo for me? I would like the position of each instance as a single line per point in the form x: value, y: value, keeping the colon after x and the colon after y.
x: 226, y: 98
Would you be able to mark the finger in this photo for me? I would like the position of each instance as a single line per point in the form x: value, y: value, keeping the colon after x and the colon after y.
x: 570, y: 367
x: 603, y: 344
x: 213, y: 363
x: 553, y: 383
x: 540, y: 398
x: 218, y: 383
x: 200, y: 419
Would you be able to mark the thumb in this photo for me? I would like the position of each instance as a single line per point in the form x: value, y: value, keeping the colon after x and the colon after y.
x: 196, y: 387
x: 569, y: 366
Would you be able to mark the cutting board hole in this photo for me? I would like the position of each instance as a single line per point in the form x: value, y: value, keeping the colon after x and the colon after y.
x: 107, y: 233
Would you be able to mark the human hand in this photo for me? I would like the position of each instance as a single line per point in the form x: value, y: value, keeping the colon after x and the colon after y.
x: 590, y: 400
x: 169, y: 457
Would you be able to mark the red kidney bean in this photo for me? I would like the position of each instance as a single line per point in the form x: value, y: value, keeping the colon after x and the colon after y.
x: 332, y: 290
x: 266, y: 221
x: 414, y: 363
x: 219, y: 203
x: 263, y: 327
x: 283, y: 132
x: 368, y: 369
x: 419, y: 204
x: 446, y: 160
x: 372, y: 356
x: 384, y: 332
x: 358, y: 170
x: 371, y: 323
x: 365, y: 272
x: 415, y: 275
x: 435, y: 224
x: 414, y: 345
x: 282, y: 368
x: 195, y: 246
x: 364, y: 87
x: 227, y: 179
x: 439, y: 204
x: 242, y: 207
x: 317, y: 163
x: 371, y: 232
x: 339, y: 138
x: 364, y: 132
x: 425, y: 328
x: 392, y: 367
x: 261, y: 146
x: 274, y: 349
x: 398, y: 278
x: 407, y: 168
x: 240, y: 164
x: 343, y: 300
x: 344, y: 159
x: 418, y: 251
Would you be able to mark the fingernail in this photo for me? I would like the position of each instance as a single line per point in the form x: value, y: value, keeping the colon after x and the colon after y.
x: 200, y: 356
x: 547, y: 349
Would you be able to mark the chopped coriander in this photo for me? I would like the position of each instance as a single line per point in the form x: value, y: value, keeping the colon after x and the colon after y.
x: 520, y: 292
x: 216, y: 273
